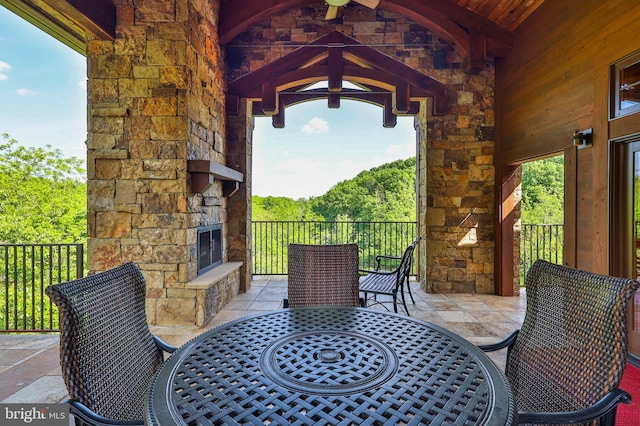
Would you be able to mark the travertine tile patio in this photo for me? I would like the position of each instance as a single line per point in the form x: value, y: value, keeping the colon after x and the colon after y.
x: 29, y: 364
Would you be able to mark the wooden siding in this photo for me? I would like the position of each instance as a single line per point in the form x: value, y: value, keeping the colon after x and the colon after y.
x: 556, y: 81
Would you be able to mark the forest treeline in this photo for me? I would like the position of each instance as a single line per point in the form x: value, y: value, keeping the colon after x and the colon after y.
x: 386, y: 194
x: 43, y: 196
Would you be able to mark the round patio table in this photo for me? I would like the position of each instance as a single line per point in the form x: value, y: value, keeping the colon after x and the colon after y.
x: 333, y: 366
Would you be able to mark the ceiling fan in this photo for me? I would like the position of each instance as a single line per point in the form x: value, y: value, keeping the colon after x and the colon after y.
x: 332, y: 11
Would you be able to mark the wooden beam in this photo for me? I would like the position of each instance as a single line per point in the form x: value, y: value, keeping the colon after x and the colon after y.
x: 205, y: 172
x: 96, y: 16
x: 382, y: 72
x: 293, y: 98
x: 269, y: 97
x: 335, y: 67
x: 503, y: 272
x: 277, y: 120
x: 58, y: 27
x: 402, y: 97
x: 569, y: 247
x: 443, y: 17
x: 476, y: 61
x: 292, y: 61
x: 333, y: 100
x: 438, y: 12
x: 389, y: 119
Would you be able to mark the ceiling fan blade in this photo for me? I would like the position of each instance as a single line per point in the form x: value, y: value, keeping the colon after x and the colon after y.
x: 332, y: 13
x: 371, y: 4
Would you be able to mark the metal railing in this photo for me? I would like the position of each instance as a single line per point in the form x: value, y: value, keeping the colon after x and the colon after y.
x: 27, y: 269
x: 540, y: 242
x: 272, y: 238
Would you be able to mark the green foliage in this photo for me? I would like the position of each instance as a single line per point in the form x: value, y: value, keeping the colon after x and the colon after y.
x: 385, y: 193
x: 42, y: 195
x: 281, y: 208
x: 543, y: 191
x: 342, y: 215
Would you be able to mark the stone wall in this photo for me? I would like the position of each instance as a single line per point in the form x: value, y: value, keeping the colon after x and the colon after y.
x: 459, y: 218
x: 155, y: 100
x: 455, y: 154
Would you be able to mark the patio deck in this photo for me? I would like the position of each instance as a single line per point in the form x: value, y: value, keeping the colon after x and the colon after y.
x: 29, y: 364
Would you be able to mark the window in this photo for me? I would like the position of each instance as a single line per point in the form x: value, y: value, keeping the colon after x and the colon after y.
x: 625, y: 82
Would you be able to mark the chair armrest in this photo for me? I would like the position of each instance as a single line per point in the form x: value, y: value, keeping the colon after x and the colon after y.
x: 366, y: 271
x: 379, y: 258
x: 508, y: 341
x: 164, y: 345
x: 601, y: 408
x: 86, y: 415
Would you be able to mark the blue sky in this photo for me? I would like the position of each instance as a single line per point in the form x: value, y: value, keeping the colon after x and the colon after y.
x: 43, y: 102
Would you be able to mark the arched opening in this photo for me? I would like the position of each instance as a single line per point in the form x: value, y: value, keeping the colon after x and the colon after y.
x: 333, y: 176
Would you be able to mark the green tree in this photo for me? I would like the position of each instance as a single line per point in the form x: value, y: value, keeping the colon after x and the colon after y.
x: 282, y: 208
x: 385, y: 193
x: 543, y: 191
x: 43, y: 195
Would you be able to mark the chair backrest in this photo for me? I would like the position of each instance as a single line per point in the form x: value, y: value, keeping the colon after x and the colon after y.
x: 572, y: 347
x: 107, y: 353
x: 323, y: 275
x: 407, y: 259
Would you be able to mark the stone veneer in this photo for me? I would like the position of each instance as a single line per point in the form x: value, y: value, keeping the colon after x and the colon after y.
x: 155, y: 100
x: 455, y: 150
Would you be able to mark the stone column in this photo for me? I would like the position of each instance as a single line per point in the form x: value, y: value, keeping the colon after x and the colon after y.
x: 155, y: 100
x: 420, y: 124
x: 460, y: 193
x: 239, y: 143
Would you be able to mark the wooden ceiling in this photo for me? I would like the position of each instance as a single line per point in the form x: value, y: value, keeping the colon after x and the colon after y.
x: 471, y: 15
x: 457, y: 21
x: 507, y: 14
x: 477, y: 29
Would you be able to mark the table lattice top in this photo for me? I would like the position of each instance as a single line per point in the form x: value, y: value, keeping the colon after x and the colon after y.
x: 334, y: 366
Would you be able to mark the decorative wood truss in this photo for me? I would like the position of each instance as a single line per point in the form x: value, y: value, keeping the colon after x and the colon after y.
x: 336, y: 57
x: 476, y: 29
x: 474, y: 36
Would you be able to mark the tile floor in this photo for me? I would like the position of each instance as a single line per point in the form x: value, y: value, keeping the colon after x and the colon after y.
x: 29, y: 364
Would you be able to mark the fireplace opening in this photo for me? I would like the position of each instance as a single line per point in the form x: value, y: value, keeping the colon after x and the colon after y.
x: 209, y: 247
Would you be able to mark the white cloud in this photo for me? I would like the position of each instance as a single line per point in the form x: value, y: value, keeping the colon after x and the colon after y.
x: 316, y: 125
x: 393, y: 149
x: 4, y: 69
x: 401, y: 151
x: 83, y: 84
x: 300, y: 177
x: 25, y: 92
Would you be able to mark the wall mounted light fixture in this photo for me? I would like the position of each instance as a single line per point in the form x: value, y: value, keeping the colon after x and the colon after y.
x: 583, y: 138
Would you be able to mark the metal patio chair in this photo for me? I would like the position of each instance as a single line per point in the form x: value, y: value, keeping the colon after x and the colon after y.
x: 566, y: 361
x: 322, y: 275
x: 108, y: 355
x: 389, y: 283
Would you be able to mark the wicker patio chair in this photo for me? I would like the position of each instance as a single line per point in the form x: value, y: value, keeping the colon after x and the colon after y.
x: 323, y: 275
x: 566, y: 361
x: 391, y: 282
x: 108, y: 355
